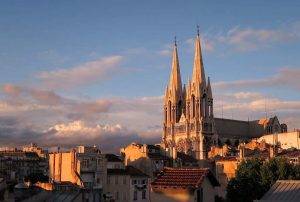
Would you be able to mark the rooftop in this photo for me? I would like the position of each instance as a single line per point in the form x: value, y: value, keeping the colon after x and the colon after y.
x: 283, y: 190
x: 183, y: 178
x: 113, y: 158
x: 129, y: 170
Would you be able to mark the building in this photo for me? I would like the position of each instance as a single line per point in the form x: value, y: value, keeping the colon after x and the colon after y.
x: 283, y: 140
x: 189, y: 124
x: 38, y: 150
x: 16, y: 165
x: 283, y: 190
x: 114, y: 161
x: 84, y: 167
x: 225, y: 170
x: 150, y: 159
x: 127, y: 184
x: 184, y: 184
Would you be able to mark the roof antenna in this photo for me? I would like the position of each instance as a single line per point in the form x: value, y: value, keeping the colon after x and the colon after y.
x: 266, y: 114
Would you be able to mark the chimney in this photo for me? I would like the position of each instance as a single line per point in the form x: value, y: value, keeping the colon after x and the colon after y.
x: 241, y: 151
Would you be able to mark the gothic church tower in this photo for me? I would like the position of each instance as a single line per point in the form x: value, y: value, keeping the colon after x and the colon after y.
x: 188, y: 111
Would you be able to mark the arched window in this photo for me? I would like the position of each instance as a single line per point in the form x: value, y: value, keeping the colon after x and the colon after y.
x: 179, y: 106
x: 203, y: 106
x: 166, y: 114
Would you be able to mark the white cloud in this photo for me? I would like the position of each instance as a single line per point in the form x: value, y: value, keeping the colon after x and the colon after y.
x: 286, y: 77
x: 89, y: 72
x: 249, y: 39
x: 254, y: 105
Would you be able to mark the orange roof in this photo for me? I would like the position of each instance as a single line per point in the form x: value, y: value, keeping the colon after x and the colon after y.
x: 183, y: 178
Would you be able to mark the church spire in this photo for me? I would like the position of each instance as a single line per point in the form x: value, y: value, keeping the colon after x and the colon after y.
x: 175, y: 77
x: 198, y: 70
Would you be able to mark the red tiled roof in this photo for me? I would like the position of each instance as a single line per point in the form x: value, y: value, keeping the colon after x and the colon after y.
x: 183, y: 178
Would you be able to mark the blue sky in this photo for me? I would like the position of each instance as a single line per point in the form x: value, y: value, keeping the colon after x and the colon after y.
x: 256, y: 41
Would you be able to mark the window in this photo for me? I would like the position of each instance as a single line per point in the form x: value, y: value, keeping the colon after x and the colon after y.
x: 135, y: 195
x: 144, y: 182
x: 144, y: 194
x: 108, y: 179
x: 134, y: 182
x: 117, y: 195
x: 124, y: 179
x: 200, y: 195
x: 116, y: 179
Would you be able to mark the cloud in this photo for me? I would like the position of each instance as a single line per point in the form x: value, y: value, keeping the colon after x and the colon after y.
x: 286, y: 77
x: 109, y: 137
x: 207, y: 44
x: 254, y: 105
x: 89, y: 72
x: 249, y: 39
x: 49, y: 119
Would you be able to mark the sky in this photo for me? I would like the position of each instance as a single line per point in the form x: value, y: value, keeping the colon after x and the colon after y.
x: 94, y: 72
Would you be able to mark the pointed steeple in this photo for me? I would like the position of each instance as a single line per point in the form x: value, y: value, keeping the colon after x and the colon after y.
x: 209, y: 91
x: 175, y: 77
x: 198, y: 70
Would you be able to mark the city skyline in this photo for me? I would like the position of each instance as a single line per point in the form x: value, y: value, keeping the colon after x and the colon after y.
x: 93, y: 69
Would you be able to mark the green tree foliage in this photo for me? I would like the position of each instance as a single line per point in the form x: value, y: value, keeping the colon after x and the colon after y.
x: 254, y: 178
x: 228, y: 142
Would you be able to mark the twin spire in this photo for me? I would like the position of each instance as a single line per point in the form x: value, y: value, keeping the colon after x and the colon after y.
x: 175, y: 77
x: 198, y: 77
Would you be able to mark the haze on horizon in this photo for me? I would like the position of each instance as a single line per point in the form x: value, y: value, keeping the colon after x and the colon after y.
x: 94, y: 73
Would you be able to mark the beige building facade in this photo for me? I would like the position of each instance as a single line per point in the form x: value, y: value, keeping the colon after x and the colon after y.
x: 150, y: 159
x: 84, y: 167
x: 127, y: 184
x: 283, y: 140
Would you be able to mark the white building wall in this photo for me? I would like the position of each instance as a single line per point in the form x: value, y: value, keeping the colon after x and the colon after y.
x: 285, y: 140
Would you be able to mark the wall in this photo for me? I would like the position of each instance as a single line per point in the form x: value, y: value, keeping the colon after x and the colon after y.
x: 285, y: 140
x: 60, y: 168
x: 208, y: 191
x: 172, y: 196
x: 225, y: 170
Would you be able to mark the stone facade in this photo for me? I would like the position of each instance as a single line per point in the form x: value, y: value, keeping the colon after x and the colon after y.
x: 188, y: 111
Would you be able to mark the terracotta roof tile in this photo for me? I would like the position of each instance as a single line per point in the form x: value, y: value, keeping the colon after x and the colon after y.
x: 183, y: 178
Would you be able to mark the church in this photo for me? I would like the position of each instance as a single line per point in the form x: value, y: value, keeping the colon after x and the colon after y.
x: 189, y: 124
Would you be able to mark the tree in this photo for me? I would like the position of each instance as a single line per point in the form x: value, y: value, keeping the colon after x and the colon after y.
x: 236, y: 143
x: 228, y: 142
x: 254, y: 178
